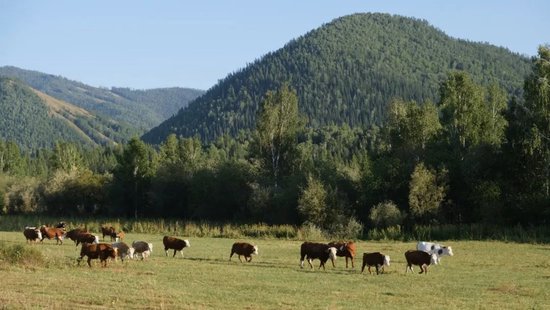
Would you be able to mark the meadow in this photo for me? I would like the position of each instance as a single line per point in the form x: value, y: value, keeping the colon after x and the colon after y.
x: 481, y: 274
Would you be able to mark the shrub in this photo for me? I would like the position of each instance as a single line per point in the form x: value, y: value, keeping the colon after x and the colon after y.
x: 385, y: 214
x: 19, y: 254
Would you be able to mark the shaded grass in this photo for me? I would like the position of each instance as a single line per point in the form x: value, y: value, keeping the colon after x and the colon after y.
x: 482, y: 275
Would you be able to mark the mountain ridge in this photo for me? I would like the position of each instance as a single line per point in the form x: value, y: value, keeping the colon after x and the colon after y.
x: 346, y: 72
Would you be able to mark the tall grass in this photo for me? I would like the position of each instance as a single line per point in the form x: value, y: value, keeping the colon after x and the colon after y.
x: 530, y: 234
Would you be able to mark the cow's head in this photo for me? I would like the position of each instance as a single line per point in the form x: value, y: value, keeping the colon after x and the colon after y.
x: 386, y: 260
x: 255, y: 250
x: 187, y: 244
x: 96, y: 239
x: 332, y: 253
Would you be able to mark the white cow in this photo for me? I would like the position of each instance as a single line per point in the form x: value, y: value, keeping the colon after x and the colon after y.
x: 435, y: 248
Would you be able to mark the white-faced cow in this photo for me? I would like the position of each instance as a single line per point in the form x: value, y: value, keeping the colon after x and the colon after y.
x: 421, y: 259
x: 244, y: 249
x: 32, y: 234
x: 173, y: 243
x: 142, y: 248
x: 377, y: 259
x: 321, y: 251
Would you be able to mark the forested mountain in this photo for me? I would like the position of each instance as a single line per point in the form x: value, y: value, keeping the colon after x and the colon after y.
x: 346, y: 72
x: 135, y: 110
x: 35, y: 120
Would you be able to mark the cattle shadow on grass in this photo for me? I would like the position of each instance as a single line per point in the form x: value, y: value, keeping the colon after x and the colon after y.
x: 235, y: 261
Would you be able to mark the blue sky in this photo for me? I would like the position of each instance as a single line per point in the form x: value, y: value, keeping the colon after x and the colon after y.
x: 148, y: 44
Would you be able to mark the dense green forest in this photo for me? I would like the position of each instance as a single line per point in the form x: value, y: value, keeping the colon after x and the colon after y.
x: 35, y: 120
x: 346, y: 72
x: 476, y: 154
x: 132, y: 111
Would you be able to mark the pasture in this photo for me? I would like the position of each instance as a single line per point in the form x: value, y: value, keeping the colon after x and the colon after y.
x: 486, y: 275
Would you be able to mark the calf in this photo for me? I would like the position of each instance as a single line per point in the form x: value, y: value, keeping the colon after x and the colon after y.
x: 52, y: 233
x: 244, y: 249
x: 319, y: 251
x: 32, y: 234
x: 143, y: 248
x: 376, y: 259
x: 174, y: 244
x: 419, y: 258
x: 123, y: 250
x: 344, y: 249
x: 103, y: 251
x: 435, y: 248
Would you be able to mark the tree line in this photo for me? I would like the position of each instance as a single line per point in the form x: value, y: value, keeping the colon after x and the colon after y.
x: 477, y: 155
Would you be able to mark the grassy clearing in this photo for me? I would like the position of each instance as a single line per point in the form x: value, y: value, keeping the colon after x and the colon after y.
x: 484, y: 275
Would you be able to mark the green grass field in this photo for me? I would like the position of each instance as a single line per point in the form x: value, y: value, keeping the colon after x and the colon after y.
x: 482, y: 275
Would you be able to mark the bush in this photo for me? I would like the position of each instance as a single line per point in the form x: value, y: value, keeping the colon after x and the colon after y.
x: 385, y: 214
x: 19, y: 254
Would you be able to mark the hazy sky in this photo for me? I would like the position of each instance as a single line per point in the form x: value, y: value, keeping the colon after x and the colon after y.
x: 148, y: 44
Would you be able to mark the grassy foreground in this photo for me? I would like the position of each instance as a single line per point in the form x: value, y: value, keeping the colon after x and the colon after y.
x: 486, y: 275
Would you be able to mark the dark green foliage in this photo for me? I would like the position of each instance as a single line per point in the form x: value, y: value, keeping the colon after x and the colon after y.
x: 346, y: 72
x: 27, y: 121
x: 119, y: 113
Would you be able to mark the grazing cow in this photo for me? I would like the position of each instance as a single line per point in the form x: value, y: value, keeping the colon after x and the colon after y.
x: 376, y: 259
x: 344, y: 249
x: 174, y: 244
x: 32, y: 234
x: 419, y: 258
x: 94, y: 251
x: 319, y: 251
x: 244, y: 249
x: 52, y: 233
x: 435, y: 248
x: 123, y: 250
x: 143, y: 248
x: 85, y: 237
x: 108, y: 231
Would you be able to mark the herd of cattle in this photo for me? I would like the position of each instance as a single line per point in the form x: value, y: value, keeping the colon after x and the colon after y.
x: 426, y: 253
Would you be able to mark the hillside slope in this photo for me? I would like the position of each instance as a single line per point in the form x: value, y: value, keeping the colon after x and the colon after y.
x: 134, y: 110
x: 346, y: 72
x: 35, y: 120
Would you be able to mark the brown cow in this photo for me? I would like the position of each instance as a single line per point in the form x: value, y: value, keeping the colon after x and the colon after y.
x: 174, y: 244
x: 244, y: 249
x: 345, y: 249
x: 377, y: 259
x: 86, y: 237
x: 52, y: 233
x: 108, y: 231
x: 421, y: 259
x: 73, y: 233
x: 94, y: 251
x: 319, y: 251
x: 32, y: 234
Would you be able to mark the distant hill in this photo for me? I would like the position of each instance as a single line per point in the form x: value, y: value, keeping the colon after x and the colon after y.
x: 36, y: 120
x: 134, y: 110
x: 346, y: 72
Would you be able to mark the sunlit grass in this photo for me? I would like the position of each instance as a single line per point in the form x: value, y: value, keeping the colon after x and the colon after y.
x: 487, y: 275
